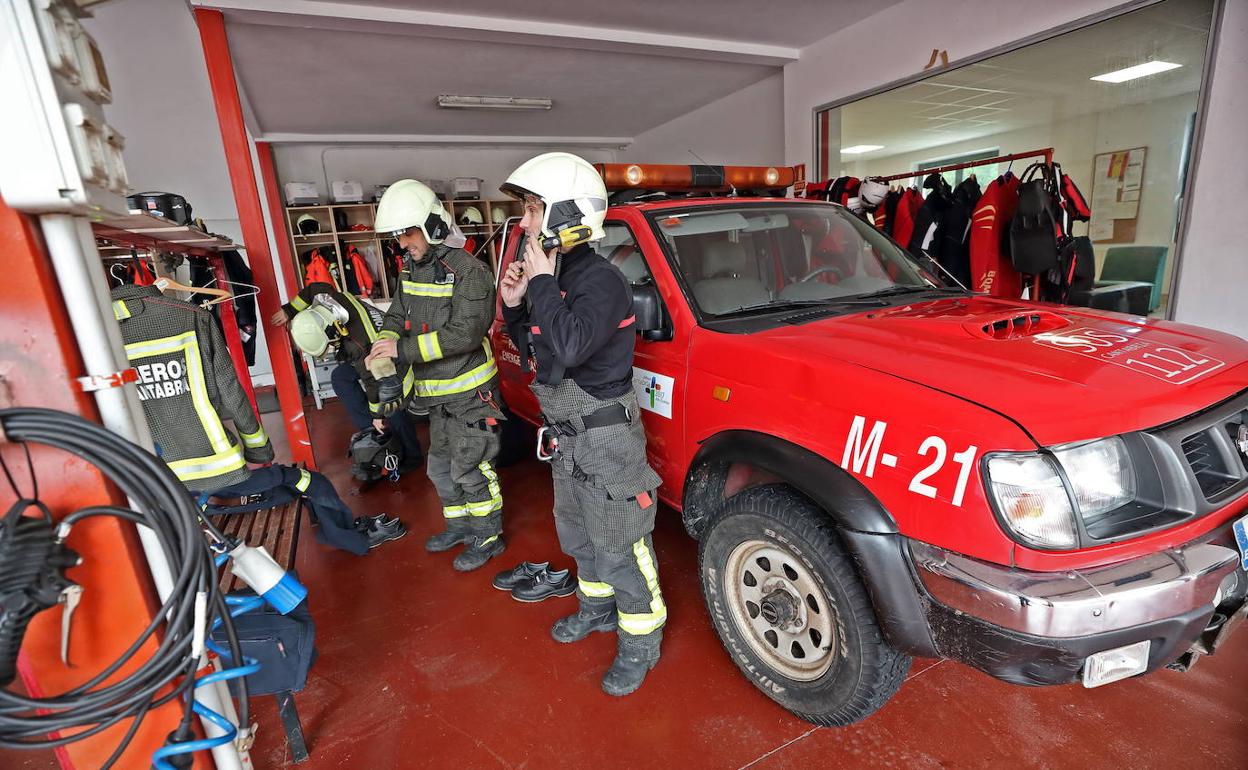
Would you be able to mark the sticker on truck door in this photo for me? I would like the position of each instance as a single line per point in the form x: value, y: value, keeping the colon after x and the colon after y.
x: 654, y: 391
x: 1164, y: 362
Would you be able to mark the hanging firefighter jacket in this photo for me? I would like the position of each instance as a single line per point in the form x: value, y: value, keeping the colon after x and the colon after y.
x: 903, y: 220
x: 187, y: 384
x: 992, y: 271
x: 886, y: 213
x: 363, y: 274
x: 317, y: 269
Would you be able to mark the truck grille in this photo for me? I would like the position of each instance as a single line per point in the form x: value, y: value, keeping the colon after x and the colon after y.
x: 1211, y: 467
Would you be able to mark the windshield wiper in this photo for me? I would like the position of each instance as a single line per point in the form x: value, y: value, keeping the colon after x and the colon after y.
x: 895, y: 290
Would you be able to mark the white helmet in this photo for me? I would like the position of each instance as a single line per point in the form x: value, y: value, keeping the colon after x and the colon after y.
x: 872, y: 192
x: 471, y: 216
x: 497, y: 215
x: 407, y: 204
x: 569, y: 186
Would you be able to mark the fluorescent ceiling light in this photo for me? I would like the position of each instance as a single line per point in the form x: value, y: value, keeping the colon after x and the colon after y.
x: 858, y: 149
x: 451, y: 101
x: 1138, y: 71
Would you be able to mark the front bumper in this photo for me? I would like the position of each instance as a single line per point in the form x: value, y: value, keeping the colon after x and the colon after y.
x: 1039, y: 628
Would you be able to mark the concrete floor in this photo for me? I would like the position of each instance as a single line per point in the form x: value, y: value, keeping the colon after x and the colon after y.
x: 421, y: 666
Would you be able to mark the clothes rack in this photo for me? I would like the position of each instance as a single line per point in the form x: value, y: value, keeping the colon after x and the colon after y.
x: 1046, y: 152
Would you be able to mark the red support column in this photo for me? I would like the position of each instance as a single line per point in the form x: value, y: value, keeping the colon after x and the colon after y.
x: 251, y: 218
x: 277, y: 216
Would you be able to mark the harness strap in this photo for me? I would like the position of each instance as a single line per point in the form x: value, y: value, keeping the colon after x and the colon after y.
x: 603, y: 417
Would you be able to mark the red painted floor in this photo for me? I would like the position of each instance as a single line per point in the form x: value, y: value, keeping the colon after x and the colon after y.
x: 423, y: 667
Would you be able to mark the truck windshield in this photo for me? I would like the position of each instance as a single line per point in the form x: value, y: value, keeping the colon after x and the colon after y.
x: 763, y: 256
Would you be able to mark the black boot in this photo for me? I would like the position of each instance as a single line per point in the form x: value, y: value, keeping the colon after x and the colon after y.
x: 445, y: 541
x: 478, y: 553
x: 634, y: 658
x: 590, y: 617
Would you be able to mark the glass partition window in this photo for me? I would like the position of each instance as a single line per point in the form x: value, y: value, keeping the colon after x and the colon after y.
x: 1115, y: 100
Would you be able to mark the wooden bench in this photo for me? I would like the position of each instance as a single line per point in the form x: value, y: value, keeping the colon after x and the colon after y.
x: 277, y: 529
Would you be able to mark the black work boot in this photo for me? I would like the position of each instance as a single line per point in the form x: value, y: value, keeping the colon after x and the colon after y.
x: 634, y: 658
x: 590, y: 617
x: 478, y: 553
x: 445, y: 541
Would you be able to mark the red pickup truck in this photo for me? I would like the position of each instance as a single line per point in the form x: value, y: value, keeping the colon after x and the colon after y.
x: 877, y: 465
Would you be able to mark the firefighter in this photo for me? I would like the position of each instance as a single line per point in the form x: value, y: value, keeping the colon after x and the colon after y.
x: 570, y: 313
x: 324, y: 317
x: 187, y: 384
x: 437, y: 325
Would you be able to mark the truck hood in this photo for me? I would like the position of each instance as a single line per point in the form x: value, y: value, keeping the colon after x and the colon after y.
x: 1063, y: 374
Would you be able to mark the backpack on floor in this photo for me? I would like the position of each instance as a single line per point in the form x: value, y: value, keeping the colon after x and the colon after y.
x: 375, y: 455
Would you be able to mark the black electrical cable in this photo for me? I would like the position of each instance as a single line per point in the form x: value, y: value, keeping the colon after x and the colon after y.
x: 164, y: 506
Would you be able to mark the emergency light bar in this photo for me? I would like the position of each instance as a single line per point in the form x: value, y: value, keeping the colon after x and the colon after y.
x: 661, y: 178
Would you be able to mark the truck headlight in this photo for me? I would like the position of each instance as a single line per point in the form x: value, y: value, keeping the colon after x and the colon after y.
x: 1032, y: 499
x: 1100, y: 475
x: 1035, y: 502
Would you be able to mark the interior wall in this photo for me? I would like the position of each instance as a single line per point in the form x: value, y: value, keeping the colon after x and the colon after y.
x: 742, y: 129
x: 383, y: 164
x: 1212, y: 267
x: 1214, y: 272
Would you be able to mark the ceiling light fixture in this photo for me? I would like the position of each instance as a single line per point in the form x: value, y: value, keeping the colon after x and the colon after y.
x: 859, y: 149
x: 454, y: 102
x: 1138, y: 71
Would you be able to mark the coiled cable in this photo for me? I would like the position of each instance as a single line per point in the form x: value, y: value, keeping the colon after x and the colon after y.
x: 165, y: 506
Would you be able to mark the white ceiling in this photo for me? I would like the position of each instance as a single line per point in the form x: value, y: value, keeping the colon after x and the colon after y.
x: 370, y: 70
x: 1043, y: 83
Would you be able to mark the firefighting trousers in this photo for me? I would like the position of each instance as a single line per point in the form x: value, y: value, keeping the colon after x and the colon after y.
x: 605, y: 503
x: 463, y: 444
x: 337, y: 527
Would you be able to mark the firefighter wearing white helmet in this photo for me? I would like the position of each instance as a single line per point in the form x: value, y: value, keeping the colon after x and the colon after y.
x: 571, y: 312
x: 437, y: 324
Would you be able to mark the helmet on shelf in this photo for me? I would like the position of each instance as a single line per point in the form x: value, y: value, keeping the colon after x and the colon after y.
x: 471, y: 216
x: 308, y: 225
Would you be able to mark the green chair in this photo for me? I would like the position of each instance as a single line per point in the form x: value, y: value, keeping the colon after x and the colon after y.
x: 1136, y: 265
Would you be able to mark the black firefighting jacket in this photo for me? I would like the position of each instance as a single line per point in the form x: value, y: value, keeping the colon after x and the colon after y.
x: 363, y: 324
x: 188, y: 385
x: 580, y: 325
x: 440, y: 318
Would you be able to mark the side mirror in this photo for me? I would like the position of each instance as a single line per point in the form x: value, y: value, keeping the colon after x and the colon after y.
x: 652, y: 321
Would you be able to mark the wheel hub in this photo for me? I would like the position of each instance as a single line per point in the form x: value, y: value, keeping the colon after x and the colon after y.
x: 779, y: 608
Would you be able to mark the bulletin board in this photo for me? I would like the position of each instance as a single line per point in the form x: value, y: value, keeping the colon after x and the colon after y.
x: 1117, y: 184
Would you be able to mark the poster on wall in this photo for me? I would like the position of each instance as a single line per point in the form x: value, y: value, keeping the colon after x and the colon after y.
x: 1117, y: 182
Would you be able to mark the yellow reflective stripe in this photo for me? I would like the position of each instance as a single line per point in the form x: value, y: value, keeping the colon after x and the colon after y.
x: 430, y: 348
x: 409, y: 382
x: 428, y: 289
x: 188, y: 345
x: 489, y: 540
x: 254, y: 440
x: 366, y: 320
x: 305, y: 480
x: 120, y: 311
x: 641, y: 623
x: 194, y: 468
x: 455, y: 511
x: 387, y: 335
x: 464, y: 382
x: 298, y: 304
x: 595, y: 590
x: 158, y: 346
x: 495, y: 503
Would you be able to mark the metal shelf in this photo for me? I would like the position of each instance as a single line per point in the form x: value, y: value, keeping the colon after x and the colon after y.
x: 147, y: 231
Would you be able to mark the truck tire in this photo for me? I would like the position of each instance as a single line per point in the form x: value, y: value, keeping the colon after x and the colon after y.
x: 791, y: 610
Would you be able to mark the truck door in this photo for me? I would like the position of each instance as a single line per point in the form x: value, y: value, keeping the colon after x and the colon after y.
x: 658, y: 364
